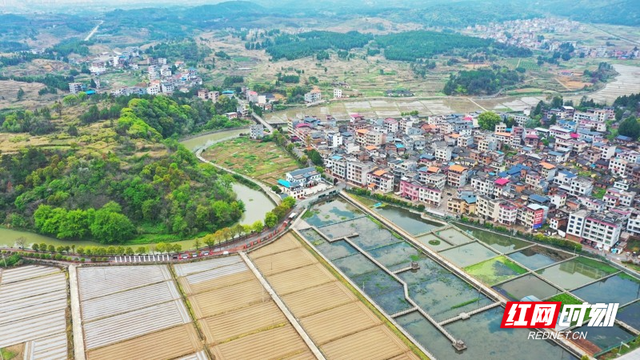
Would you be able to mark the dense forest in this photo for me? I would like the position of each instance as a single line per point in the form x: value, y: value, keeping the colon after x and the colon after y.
x: 166, y: 116
x: 144, y: 182
x: 416, y: 45
x: 481, y: 82
x: 291, y: 47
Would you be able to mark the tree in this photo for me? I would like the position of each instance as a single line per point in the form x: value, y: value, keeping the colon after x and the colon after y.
x: 488, y: 120
x: 176, y: 248
x: 257, y: 226
x: 630, y: 127
x: 141, y: 250
x: 20, y: 94
x: 270, y: 219
x: 197, y: 244
x: 43, y: 247
x: 51, y: 248
x: 35, y: 247
x: 210, y: 241
x: 161, y: 247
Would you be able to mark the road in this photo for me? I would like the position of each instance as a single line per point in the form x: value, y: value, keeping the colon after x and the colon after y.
x: 93, y: 31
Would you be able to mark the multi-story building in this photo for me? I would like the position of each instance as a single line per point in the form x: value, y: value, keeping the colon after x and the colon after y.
x: 356, y: 172
x: 602, y: 229
x: 483, y: 186
x: 437, y: 181
x: 442, y: 153
x: 633, y: 226
x: 337, y: 93
x: 620, y: 167
x: 465, y: 204
x: 313, y: 96
x: 532, y: 216
x: 380, y: 180
x: 488, y: 208
x: 581, y: 186
x: 415, y: 191
x: 507, y: 213
x: 374, y: 138
x: 256, y: 131
x: 75, y: 87
x: 457, y: 176
x: 390, y: 125
x: 615, y: 197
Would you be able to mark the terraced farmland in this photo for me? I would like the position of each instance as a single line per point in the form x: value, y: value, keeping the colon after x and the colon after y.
x: 337, y: 322
x: 127, y: 311
x: 236, y: 314
x: 33, y: 307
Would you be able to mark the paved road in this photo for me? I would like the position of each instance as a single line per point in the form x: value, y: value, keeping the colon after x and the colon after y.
x: 93, y: 31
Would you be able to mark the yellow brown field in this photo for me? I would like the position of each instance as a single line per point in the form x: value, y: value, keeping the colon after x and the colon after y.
x: 336, y: 321
x: 238, y: 317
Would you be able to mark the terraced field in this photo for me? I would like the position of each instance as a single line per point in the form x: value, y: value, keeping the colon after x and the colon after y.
x: 33, y: 307
x: 337, y: 322
x: 236, y: 314
x: 128, y: 311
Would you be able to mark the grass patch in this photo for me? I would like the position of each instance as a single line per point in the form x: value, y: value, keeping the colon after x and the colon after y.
x: 465, y: 303
x: 377, y: 222
x: 495, y: 270
x: 7, y: 355
x: 567, y: 299
x: 633, y: 344
x: 310, y: 213
x: 366, y: 302
x: 626, y: 276
x: 434, y: 242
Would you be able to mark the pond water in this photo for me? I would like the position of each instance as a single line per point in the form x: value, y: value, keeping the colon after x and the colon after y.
x: 484, y: 339
x: 434, y: 242
x: 572, y: 274
x: 454, y: 236
x: 256, y: 203
x: 630, y: 315
x: 606, y: 337
x: 621, y: 288
x: 468, y: 254
x: 331, y: 212
x: 537, y: 257
x: 527, y: 285
x: 8, y: 238
x: 502, y: 243
x: 408, y: 221
x: 435, y: 289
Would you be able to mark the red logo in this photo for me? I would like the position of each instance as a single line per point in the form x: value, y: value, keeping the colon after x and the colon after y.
x: 531, y: 314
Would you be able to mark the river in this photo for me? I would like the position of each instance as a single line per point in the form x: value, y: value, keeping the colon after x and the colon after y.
x: 257, y: 204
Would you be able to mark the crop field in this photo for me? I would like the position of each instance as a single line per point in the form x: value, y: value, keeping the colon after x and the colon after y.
x: 167, y: 344
x: 236, y: 314
x: 340, y: 325
x: 264, y: 161
x: 33, y: 307
x: 130, y: 310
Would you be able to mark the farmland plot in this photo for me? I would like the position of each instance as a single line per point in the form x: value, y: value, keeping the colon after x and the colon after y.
x: 237, y: 316
x: 100, y: 281
x: 340, y: 325
x: 33, y: 304
x: 127, y: 311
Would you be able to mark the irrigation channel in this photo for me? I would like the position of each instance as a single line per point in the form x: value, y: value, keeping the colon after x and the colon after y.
x: 257, y: 204
x: 445, y: 287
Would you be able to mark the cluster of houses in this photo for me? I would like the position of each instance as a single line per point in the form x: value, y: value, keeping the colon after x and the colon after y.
x: 530, y: 34
x: 567, y: 178
x: 163, y: 77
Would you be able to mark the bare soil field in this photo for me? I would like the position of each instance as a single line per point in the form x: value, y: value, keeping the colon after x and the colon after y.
x: 317, y: 299
x: 300, y: 279
x: 374, y: 343
x: 284, y: 261
x: 342, y: 326
x: 339, y: 322
x: 233, y: 324
x: 228, y: 298
x: 9, y: 94
x: 191, y: 289
x: 167, y: 344
x: 572, y: 83
x: 278, y: 343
